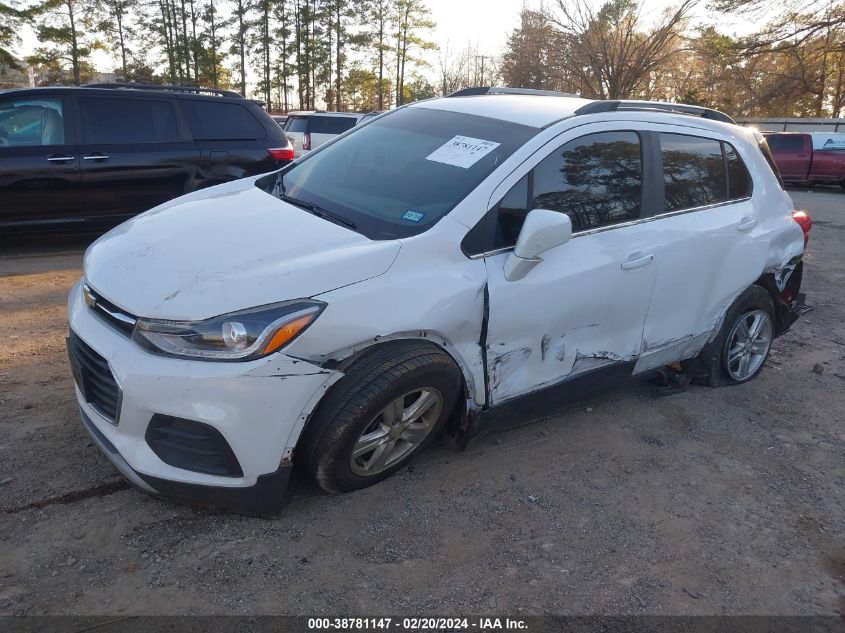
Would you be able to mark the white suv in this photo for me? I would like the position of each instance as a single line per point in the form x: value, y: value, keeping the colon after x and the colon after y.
x: 309, y: 130
x: 433, y: 269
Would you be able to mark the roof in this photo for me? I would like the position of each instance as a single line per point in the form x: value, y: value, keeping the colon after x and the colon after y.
x: 36, y: 91
x: 532, y: 110
x: 321, y: 113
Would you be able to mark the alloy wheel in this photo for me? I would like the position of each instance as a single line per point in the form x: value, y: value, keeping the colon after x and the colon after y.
x: 396, y: 431
x: 747, y: 344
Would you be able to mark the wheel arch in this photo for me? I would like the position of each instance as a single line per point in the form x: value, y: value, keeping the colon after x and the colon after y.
x: 458, y: 425
x: 784, y: 287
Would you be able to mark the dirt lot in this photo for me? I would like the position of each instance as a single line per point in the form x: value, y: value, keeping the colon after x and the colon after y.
x: 705, y: 502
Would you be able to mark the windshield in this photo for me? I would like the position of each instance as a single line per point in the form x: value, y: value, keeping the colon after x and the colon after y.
x: 400, y: 174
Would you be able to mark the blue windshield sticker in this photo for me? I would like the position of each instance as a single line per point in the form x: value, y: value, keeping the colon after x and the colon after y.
x: 413, y: 216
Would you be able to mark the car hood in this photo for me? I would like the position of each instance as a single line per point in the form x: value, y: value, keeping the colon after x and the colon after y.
x: 227, y: 248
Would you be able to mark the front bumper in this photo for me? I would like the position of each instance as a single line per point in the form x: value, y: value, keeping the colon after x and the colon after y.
x: 259, y: 407
x: 266, y: 498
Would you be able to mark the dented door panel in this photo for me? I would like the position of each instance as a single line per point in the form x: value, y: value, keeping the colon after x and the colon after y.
x: 578, y: 310
x: 703, y: 263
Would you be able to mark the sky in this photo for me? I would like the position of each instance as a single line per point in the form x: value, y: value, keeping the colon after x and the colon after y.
x: 485, y: 24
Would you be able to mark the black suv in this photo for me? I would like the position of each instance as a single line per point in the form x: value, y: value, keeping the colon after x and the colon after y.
x: 88, y: 158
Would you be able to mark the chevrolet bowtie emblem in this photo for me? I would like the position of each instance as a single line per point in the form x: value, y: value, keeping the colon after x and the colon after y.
x: 90, y: 299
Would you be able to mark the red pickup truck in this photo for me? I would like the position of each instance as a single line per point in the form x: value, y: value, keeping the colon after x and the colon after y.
x: 809, y: 159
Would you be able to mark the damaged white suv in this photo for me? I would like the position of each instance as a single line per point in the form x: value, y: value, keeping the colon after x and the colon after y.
x: 420, y: 274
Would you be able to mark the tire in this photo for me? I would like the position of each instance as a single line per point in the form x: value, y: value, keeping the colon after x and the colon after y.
x: 720, y: 356
x: 371, y: 405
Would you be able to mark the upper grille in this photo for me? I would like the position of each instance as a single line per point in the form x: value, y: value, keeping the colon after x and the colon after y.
x: 94, y: 378
x: 106, y: 310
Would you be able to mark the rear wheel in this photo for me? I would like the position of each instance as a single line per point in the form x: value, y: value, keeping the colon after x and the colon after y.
x: 389, y: 405
x: 748, y: 345
x: 743, y: 344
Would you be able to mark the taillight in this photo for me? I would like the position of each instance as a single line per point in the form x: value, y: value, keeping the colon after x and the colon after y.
x: 306, y: 141
x: 281, y: 153
x: 805, y: 222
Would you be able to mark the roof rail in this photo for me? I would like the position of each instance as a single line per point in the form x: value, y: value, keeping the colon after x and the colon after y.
x: 192, y: 89
x: 503, y: 90
x: 596, y: 107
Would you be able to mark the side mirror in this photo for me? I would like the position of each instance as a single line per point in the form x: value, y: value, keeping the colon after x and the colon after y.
x: 541, y: 231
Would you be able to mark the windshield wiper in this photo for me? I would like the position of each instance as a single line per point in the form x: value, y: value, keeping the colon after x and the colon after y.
x: 317, y: 210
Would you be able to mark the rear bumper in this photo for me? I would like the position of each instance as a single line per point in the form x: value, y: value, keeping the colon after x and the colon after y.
x: 265, y: 498
x: 789, y: 301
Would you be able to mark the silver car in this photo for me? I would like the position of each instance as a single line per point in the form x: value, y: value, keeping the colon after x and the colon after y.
x: 307, y: 130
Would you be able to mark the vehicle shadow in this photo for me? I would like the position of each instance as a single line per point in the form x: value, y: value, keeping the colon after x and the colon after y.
x: 30, y: 255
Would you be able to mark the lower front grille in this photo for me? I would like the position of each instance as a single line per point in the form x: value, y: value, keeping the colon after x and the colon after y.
x: 94, y: 378
x: 192, y: 445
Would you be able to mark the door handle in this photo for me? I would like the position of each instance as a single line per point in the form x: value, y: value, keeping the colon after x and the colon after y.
x: 637, y: 260
x: 60, y: 159
x: 746, y: 224
x: 96, y: 157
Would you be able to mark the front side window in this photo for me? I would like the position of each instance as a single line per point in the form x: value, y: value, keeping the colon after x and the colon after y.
x: 595, y: 179
x: 693, y: 171
x: 400, y: 174
x: 116, y: 121
x: 31, y: 122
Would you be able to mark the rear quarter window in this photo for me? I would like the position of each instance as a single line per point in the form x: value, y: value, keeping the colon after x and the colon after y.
x: 767, y: 154
x: 739, y: 180
x: 211, y: 121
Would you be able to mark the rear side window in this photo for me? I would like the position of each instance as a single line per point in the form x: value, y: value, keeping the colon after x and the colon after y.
x: 27, y: 122
x: 330, y: 124
x: 595, y: 179
x: 739, y: 181
x: 785, y: 142
x: 693, y: 171
x: 118, y: 121
x: 213, y: 121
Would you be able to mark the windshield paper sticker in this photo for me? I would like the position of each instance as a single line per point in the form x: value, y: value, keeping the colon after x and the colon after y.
x: 462, y: 151
x: 413, y: 216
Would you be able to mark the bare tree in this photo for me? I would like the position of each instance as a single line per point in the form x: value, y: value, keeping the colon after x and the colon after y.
x: 611, y: 52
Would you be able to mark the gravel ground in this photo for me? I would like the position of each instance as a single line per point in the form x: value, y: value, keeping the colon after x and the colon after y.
x: 726, y: 501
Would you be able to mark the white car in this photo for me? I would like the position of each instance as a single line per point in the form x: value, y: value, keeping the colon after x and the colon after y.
x: 442, y: 265
x: 309, y: 130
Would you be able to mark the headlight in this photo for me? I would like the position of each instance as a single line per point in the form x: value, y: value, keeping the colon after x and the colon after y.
x: 242, y: 335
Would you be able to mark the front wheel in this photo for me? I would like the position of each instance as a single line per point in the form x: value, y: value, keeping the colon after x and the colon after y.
x: 388, y: 406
